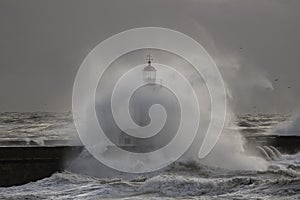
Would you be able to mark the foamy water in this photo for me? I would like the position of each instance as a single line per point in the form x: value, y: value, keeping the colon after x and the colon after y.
x: 184, y: 180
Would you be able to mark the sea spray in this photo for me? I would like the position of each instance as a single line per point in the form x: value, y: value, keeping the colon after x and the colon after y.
x: 289, y: 127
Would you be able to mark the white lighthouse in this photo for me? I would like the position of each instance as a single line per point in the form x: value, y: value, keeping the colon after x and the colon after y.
x: 149, y: 72
x: 141, y: 101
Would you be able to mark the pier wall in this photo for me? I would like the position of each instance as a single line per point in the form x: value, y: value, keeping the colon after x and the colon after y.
x: 22, y: 164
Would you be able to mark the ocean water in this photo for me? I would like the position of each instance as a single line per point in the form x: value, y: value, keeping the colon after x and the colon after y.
x: 36, y: 126
x: 181, y: 180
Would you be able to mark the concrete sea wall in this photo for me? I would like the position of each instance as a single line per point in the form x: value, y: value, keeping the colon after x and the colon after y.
x: 22, y: 164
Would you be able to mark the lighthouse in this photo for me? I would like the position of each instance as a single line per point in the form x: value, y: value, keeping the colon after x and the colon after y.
x: 151, y: 92
x: 149, y: 72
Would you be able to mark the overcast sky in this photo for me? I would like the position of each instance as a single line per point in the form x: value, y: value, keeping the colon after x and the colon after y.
x: 254, y: 42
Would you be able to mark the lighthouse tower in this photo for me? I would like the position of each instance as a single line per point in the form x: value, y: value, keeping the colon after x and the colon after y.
x: 149, y: 72
x: 140, y: 103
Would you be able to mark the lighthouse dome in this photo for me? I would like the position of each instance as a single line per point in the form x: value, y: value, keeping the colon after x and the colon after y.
x: 149, y: 68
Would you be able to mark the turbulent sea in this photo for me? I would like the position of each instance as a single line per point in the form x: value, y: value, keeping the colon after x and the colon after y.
x: 180, y: 180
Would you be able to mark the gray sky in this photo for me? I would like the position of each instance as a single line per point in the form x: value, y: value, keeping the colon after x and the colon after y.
x: 254, y: 42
